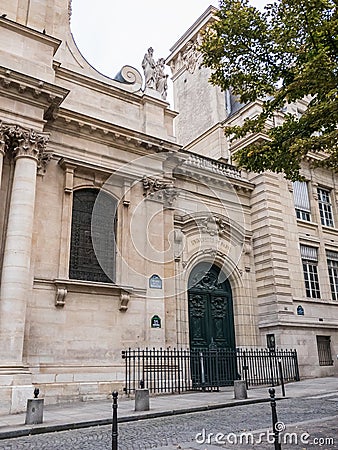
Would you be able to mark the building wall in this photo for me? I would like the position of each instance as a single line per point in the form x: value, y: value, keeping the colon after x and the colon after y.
x: 176, y: 207
x: 276, y: 272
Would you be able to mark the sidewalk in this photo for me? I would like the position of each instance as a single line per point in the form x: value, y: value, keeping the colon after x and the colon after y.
x: 85, y: 414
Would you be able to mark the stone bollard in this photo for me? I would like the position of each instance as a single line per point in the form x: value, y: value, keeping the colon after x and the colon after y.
x: 240, y: 390
x: 34, y: 412
x: 142, y: 400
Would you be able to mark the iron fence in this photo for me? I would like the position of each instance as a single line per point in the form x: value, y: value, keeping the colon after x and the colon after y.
x: 178, y: 370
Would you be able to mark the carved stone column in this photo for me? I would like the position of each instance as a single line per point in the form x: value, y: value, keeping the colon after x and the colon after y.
x: 2, y: 154
x: 27, y: 148
x: 2, y: 147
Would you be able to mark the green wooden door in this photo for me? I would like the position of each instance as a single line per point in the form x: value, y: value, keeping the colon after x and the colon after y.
x: 211, y: 327
x: 211, y: 321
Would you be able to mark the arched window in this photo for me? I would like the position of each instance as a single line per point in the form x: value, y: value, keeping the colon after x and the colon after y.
x: 92, y: 248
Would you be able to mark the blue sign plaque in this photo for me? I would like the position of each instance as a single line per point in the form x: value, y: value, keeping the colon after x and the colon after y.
x: 155, y: 282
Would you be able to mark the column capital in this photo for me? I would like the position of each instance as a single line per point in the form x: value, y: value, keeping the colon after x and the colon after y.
x: 21, y: 142
x: 3, y: 138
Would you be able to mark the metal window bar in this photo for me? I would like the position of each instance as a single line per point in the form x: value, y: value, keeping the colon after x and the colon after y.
x: 179, y: 370
x: 324, y: 350
x: 301, y: 195
x: 301, y: 200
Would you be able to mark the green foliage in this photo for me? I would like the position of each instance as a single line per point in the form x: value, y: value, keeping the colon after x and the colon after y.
x: 285, y: 54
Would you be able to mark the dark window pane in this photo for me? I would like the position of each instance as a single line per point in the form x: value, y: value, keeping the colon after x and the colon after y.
x: 311, y: 279
x: 92, y: 250
x: 324, y: 350
x: 325, y: 207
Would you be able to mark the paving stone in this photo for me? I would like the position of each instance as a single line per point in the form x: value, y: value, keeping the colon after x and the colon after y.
x: 316, y: 416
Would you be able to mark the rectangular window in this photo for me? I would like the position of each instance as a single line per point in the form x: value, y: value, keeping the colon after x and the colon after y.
x: 92, y: 247
x: 324, y: 350
x: 301, y: 200
x: 325, y: 207
x: 310, y: 263
x: 332, y: 265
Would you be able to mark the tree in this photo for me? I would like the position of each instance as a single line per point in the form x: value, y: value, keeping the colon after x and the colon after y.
x: 284, y: 54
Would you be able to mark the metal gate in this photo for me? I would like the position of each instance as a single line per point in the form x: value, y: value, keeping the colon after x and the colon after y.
x: 179, y: 370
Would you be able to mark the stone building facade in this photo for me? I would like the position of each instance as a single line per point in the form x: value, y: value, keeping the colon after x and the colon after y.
x: 293, y: 226
x: 108, y: 217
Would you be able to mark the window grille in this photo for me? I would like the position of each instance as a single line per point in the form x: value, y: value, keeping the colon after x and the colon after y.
x: 301, y: 200
x: 310, y: 253
x: 332, y: 265
x: 325, y: 207
x: 310, y: 261
x: 92, y: 251
x: 324, y: 350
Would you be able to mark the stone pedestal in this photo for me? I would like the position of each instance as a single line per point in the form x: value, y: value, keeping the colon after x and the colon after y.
x: 142, y: 400
x: 34, y: 413
x: 240, y: 390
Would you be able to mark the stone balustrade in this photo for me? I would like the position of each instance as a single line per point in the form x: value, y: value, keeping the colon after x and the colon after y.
x: 213, y: 166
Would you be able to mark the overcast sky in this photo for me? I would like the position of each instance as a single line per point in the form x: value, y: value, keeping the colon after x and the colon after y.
x: 111, y: 34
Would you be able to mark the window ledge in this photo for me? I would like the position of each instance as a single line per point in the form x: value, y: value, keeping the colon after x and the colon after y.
x: 317, y: 301
x: 330, y: 230
x: 63, y: 286
x: 307, y: 223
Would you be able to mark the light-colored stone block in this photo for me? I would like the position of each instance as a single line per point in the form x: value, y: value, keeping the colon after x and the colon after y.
x: 20, y: 394
x: 34, y: 413
x: 142, y: 400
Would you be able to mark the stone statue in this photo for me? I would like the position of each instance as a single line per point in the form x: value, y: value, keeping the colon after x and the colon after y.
x: 161, y: 79
x: 191, y: 56
x: 148, y: 66
x: 154, y: 75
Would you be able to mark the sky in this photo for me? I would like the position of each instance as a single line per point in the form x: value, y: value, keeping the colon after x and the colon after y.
x: 111, y: 34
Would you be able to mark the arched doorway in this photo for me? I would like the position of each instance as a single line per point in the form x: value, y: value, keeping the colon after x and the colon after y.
x: 211, y: 327
x: 211, y: 318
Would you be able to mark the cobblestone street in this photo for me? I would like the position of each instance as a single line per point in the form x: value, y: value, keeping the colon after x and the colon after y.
x: 314, y: 415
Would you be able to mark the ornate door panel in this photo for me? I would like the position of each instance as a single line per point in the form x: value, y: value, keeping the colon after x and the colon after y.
x: 211, y: 319
x: 221, y: 326
x: 198, y: 318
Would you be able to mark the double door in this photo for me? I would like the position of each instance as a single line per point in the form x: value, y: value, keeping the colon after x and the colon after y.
x: 212, y: 338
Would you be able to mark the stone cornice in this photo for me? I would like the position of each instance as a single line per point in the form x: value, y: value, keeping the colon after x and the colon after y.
x: 209, y: 14
x: 108, y: 133
x: 116, y: 88
x: 31, y: 90
x: 104, y: 170
x: 310, y: 323
x: 74, y: 163
x: 247, y: 140
x: 30, y: 32
x: 130, y: 92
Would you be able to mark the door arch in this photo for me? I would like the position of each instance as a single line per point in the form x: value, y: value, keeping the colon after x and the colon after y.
x: 210, y: 306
